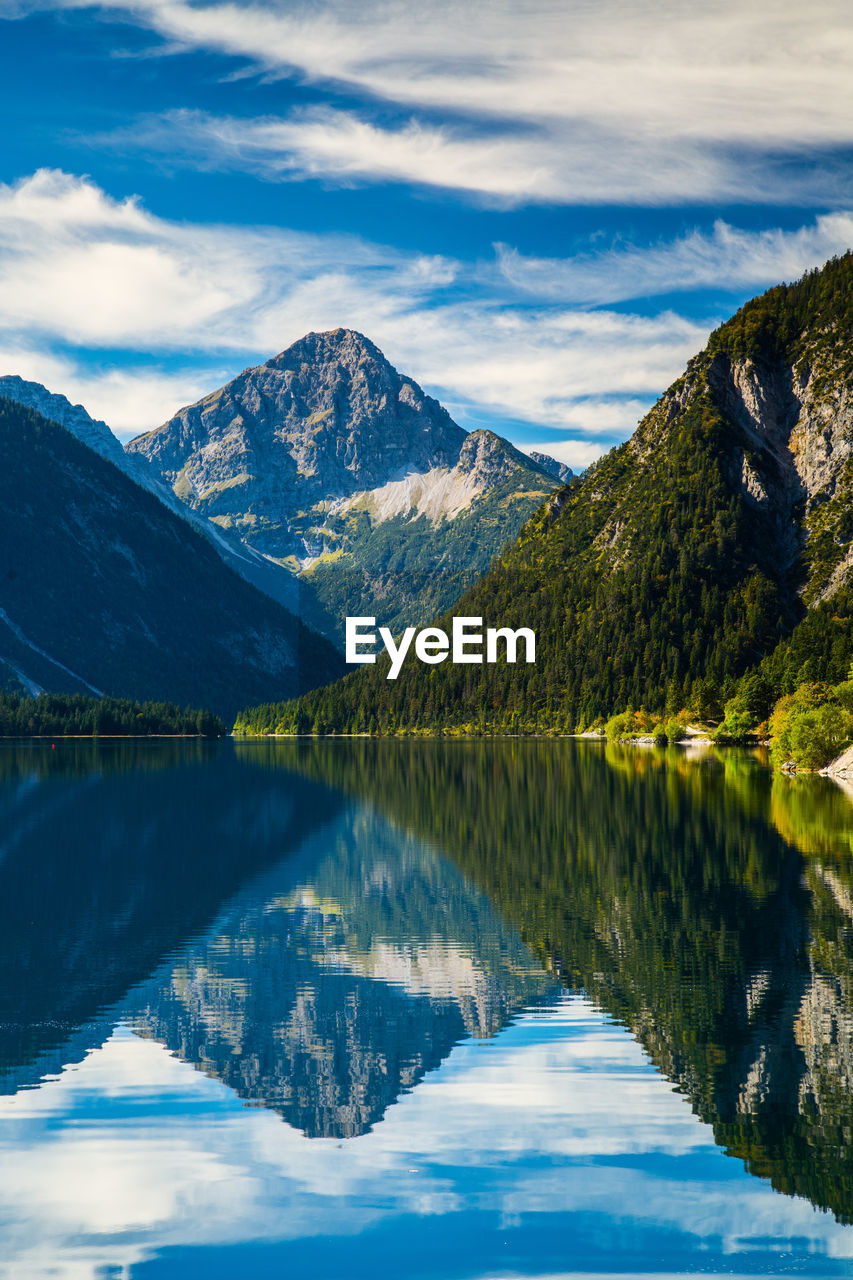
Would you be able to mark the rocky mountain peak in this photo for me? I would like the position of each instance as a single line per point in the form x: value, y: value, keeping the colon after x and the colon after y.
x: 327, y: 418
x: 347, y: 347
x: 311, y: 457
x: 488, y: 459
x: 560, y: 470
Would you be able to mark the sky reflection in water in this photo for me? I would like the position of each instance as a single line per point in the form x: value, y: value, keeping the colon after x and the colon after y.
x: 478, y: 1119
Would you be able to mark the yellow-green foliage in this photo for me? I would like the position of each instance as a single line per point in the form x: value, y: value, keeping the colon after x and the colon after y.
x: 631, y: 724
x: 813, y: 725
x: 673, y: 730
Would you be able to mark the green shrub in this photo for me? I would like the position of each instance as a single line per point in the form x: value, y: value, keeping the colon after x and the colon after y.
x: 813, y: 725
x: 738, y: 725
x: 631, y: 724
x: 810, y: 694
x: 818, y: 734
x: 620, y: 726
x: 673, y: 731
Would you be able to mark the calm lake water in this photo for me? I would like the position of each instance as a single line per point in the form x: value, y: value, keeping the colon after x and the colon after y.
x: 429, y: 1009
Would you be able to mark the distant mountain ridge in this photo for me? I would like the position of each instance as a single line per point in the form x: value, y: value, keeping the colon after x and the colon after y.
x: 344, y: 471
x: 58, y: 408
x: 105, y: 590
x: 561, y: 470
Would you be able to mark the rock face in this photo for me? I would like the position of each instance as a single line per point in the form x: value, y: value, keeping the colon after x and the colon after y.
x: 777, y: 380
x: 841, y: 766
x: 795, y: 455
x: 102, y: 589
x: 560, y: 470
x: 313, y: 456
x: 326, y: 419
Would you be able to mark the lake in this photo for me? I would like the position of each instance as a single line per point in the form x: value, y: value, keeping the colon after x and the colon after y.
x: 438, y: 1009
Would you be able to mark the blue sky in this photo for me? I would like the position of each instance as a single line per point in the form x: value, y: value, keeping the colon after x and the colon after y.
x: 537, y: 210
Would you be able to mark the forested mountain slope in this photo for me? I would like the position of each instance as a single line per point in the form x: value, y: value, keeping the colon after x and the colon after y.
x: 104, y: 590
x: 686, y: 554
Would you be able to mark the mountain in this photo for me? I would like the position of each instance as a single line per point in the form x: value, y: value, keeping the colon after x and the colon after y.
x: 104, y: 590
x: 560, y: 470
x: 73, y: 417
x: 345, y: 472
x: 719, y: 535
x: 255, y: 568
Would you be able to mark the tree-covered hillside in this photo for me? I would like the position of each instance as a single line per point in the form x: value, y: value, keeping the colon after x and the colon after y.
x: 103, y: 589
x: 685, y: 556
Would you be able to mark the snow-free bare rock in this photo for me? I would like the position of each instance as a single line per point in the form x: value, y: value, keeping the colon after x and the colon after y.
x: 560, y: 470
x: 345, y: 471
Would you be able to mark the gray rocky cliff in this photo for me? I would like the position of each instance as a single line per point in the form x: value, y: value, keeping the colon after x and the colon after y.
x: 560, y: 470
x: 489, y: 459
x: 795, y: 461
x: 789, y: 453
x: 327, y: 418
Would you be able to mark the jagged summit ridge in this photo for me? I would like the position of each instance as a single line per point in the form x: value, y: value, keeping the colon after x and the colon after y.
x: 328, y: 417
x: 328, y: 460
x: 560, y: 470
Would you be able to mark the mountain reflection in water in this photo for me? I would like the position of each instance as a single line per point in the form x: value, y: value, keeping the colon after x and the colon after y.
x: 706, y: 904
x: 317, y: 926
x: 337, y: 981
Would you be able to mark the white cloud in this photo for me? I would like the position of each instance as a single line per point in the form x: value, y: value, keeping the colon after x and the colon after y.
x: 543, y: 366
x: 727, y: 258
x: 723, y: 71
x: 503, y: 167
x: 92, y: 270
x: 84, y: 273
x: 572, y: 102
x: 512, y: 344
x: 129, y: 400
x: 340, y: 146
x: 578, y: 454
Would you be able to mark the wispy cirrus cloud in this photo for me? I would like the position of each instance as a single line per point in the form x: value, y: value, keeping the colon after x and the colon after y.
x: 727, y: 258
x: 79, y: 265
x: 625, y: 102
x: 721, y: 70
x: 505, y: 166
